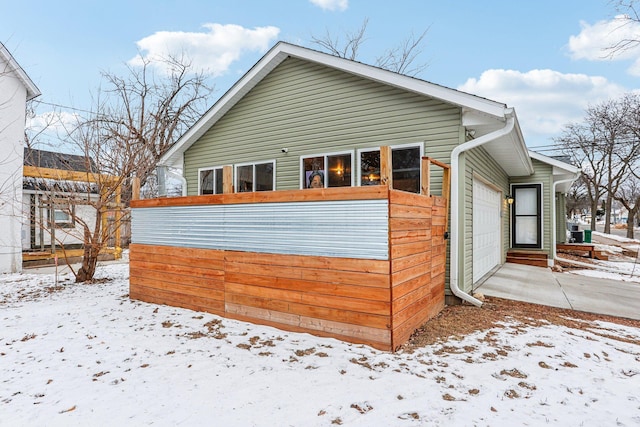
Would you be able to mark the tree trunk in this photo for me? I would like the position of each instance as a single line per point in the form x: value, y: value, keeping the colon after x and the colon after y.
x: 594, y: 214
x: 630, y: 220
x: 89, y: 260
x: 607, y: 215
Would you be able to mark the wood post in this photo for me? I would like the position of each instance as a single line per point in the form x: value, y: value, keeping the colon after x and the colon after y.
x: 118, y: 223
x: 386, y: 167
x: 426, y: 178
x: 227, y: 179
x: 135, y: 188
x: 425, y: 185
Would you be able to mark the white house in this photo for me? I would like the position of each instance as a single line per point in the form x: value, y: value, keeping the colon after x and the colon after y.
x: 16, y: 88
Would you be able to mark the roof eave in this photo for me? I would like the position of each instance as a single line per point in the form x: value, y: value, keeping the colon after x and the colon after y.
x: 32, y: 89
x: 283, y: 50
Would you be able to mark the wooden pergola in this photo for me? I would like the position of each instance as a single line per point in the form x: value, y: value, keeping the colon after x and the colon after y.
x: 78, y: 176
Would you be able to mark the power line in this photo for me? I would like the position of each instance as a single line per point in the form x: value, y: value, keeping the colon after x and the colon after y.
x: 52, y: 104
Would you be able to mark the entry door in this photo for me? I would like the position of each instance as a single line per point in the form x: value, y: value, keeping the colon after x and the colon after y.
x: 487, y: 235
x: 526, y: 216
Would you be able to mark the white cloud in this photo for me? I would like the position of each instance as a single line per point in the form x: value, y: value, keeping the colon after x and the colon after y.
x: 545, y: 100
x: 331, y: 4
x: 213, y: 51
x: 594, y: 42
x: 52, y: 123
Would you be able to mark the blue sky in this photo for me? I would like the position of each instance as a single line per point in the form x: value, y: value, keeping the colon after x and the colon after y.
x: 543, y: 57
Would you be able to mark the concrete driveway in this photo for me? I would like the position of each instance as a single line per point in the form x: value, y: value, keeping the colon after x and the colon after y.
x: 565, y: 290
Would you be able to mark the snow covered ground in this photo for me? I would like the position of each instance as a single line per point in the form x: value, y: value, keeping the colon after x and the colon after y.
x: 623, y: 268
x: 87, y: 355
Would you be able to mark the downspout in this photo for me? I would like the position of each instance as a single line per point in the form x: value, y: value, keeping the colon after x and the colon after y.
x: 162, y: 173
x: 181, y: 178
x: 553, y: 221
x: 455, y: 160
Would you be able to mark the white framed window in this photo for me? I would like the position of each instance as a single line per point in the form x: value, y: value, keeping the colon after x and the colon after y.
x: 210, y: 180
x: 405, y: 162
x: 327, y: 170
x: 259, y: 176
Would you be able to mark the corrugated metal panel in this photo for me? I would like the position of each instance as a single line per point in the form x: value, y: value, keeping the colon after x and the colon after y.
x: 350, y: 229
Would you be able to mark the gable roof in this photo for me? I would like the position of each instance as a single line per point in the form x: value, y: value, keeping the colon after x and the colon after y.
x: 32, y: 89
x: 564, y: 174
x: 481, y: 114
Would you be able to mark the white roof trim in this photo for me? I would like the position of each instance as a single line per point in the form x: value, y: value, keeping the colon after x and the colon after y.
x: 565, y: 168
x: 32, y: 89
x: 283, y: 50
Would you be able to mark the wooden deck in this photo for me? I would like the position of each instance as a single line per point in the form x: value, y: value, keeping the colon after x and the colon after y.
x: 583, y: 249
x: 375, y: 302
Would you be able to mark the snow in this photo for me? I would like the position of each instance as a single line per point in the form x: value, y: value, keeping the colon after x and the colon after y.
x: 628, y: 271
x: 88, y: 355
x: 615, y: 237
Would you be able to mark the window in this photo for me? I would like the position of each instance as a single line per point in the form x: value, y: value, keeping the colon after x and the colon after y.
x: 405, y: 162
x: 526, y: 216
x: 255, y: 177
x: 327, y: 170
x: 63, y: 216
x: 210, y: 181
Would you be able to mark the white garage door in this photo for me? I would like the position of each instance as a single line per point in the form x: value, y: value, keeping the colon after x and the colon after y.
x: 486, y: 229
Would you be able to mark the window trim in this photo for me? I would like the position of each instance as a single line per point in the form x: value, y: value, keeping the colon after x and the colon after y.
x: 420, y: 145
x: 539, y: 186
x: 326, y: 161
x: 69, y: 210
x: 259, y: 162
x: 212, y: 168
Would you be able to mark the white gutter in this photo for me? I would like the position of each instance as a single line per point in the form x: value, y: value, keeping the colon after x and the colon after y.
x: 455, y: 160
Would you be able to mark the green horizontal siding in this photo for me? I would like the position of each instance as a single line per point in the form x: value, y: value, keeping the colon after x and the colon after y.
x: 479, y: 162
x: 311, y: 109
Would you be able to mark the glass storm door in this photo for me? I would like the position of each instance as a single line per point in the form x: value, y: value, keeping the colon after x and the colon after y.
x: 526, y: 216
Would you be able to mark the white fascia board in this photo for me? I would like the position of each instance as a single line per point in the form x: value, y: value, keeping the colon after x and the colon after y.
x: 521, y: 146
x: 564, y: 168
x: 283, y: 50
x: 32, y: 89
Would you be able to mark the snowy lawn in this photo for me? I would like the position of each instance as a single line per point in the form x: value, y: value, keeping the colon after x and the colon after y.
x: 627, y: 271
x: 88, y: 355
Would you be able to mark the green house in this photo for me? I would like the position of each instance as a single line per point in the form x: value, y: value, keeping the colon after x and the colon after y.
x: 302, y: 118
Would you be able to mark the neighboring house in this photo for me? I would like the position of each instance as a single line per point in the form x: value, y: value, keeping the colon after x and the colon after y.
x: 16, y: 88
x: 54, y: 206
x: 299, y: 114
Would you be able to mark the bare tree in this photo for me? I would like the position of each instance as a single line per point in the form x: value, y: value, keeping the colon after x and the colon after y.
x: 582, y: 144
x: 145, y: 113
x: 134, y: 120
x: 607, y: 145
x: 400, y: 59
x: 628, y: 16
x: 347, y: 48
x: 577, y: 201
x: 629, y: 196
